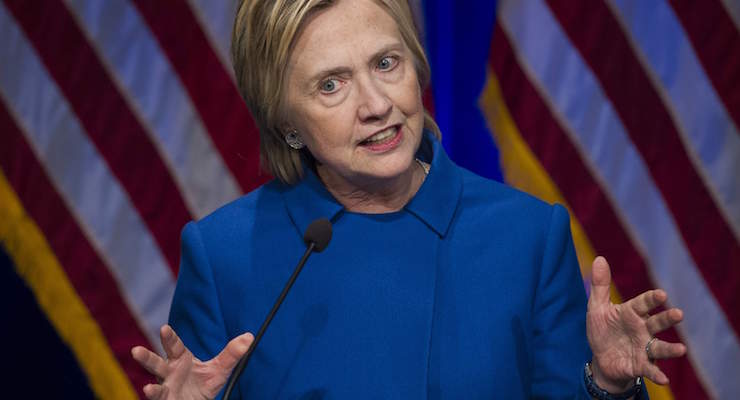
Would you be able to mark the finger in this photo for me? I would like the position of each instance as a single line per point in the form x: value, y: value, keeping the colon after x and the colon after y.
x: 172, y: 344
x: 663, y: 320
x: 155, y: 392
x: 654, y: 373
x: 234, y: 350
x: 643, y: 303
x: 660, y: 350
x: 151, y: 361
x: 601, y: 278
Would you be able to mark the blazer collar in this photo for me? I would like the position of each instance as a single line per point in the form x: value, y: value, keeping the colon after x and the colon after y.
x: 438, y: 197
x: 434, y: 204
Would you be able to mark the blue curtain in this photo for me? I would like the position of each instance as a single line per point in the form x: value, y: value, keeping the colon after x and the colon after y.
x: 458, y: 36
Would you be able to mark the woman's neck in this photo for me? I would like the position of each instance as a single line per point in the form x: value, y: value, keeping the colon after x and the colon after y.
x: 375, y: 197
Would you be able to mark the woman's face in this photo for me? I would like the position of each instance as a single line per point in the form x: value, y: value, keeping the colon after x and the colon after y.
x: 353, y: 95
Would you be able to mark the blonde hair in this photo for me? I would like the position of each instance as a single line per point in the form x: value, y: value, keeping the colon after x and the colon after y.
x: 262, y: 38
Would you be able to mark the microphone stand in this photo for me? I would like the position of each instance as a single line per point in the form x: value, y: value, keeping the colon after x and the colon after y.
x: 245, y: 358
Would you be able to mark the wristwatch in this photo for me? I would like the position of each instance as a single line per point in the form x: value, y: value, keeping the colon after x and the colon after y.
x: 600, y: 394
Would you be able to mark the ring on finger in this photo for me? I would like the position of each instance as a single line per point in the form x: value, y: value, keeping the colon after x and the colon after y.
x: 650, y: 356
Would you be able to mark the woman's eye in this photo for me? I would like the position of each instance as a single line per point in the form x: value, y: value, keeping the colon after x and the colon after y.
x: 386, y: 63
x: 329, y: 86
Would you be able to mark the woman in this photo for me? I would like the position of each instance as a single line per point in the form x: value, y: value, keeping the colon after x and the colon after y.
x: 437, y: 282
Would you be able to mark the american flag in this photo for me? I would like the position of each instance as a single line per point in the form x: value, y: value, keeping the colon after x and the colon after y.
x: 120, y: 122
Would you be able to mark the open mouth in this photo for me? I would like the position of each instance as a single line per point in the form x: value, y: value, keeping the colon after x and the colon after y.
x: 384, y: 138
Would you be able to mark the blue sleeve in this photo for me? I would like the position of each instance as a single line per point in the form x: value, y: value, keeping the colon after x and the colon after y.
x: 560, y: 347
x: 560, y: 344
x: 196, y: 309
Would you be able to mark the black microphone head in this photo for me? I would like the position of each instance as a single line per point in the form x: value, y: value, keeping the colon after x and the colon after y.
x: 319, y: 232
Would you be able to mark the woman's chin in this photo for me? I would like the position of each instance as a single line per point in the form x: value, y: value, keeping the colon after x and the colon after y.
x: 390, y: 165
x: 391, y: 170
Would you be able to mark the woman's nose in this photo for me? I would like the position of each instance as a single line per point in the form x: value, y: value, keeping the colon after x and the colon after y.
x: 374, y: 101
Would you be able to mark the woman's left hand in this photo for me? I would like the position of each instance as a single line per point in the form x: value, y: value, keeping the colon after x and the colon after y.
x: 619, y: 333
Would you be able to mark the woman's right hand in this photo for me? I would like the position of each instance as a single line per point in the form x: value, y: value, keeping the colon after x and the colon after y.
x: 181, y: 375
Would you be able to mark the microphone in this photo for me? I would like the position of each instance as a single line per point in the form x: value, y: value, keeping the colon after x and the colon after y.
x: 317, y: 237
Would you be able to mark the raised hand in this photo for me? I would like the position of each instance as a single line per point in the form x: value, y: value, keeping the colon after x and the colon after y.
x: 619, y: 334
x: 181, y: 375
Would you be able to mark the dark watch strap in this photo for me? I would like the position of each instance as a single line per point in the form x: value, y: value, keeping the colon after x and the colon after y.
x: 598, y: 393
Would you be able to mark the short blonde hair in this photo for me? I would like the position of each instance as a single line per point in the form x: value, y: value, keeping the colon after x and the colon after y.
x: 262, y: 38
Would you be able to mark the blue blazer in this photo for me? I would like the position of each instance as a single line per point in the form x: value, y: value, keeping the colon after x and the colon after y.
x: 471, y: 291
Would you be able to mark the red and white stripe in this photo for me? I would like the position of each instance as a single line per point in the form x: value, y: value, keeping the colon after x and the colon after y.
x: 89, y: 190
x: 709, y: 134
x: 217, y: 19
x: 173, y: 124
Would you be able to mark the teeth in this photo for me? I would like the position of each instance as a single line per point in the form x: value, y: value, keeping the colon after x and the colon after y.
x: 382, y: 135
